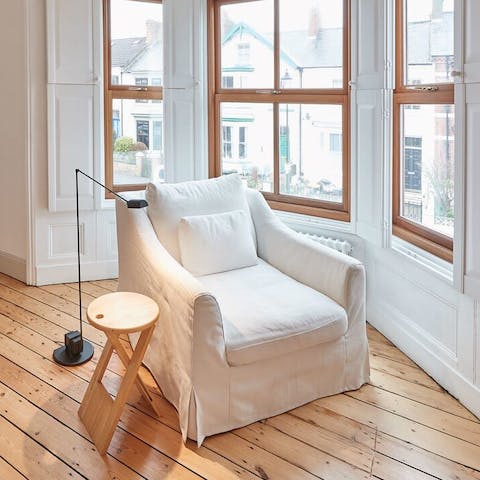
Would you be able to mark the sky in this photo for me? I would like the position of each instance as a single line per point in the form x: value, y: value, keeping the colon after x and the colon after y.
x: 128, y: 18
x: 421, y: 9
x: 294, y: 14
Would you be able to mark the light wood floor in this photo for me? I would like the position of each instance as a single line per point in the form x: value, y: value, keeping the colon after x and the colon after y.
x: 402, y: 426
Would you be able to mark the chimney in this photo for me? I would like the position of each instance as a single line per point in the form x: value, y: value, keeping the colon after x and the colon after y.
x: 154, y: 31
x: 313, y: 21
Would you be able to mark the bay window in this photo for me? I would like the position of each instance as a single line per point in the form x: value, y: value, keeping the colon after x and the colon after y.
x: 423, y: 123
x: 287, y: 69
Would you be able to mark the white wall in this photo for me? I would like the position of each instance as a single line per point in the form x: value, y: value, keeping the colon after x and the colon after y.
x: 13, y: 144
x: 411, y: 297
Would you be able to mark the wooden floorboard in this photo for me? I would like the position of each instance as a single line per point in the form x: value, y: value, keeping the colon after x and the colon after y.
x: 8, y: 472
x: 401, y: 426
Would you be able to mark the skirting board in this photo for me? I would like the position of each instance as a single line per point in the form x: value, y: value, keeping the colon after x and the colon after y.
x: 49, y: 274
x: 411, y: 344
x: 13, y: 266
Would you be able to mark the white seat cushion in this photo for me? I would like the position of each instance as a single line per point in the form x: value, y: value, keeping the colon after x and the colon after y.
x: 266, y: 313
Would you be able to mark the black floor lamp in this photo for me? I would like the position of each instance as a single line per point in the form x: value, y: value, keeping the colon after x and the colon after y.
x: 77, y: 350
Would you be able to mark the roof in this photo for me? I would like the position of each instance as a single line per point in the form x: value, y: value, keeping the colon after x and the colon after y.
x: 427, y: 39
x: 442, y: 31
x: 323, y: 50
x: 124, y: 50
x: 430, y: 38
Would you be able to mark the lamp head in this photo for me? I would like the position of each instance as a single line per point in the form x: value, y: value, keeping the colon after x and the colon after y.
x: 137, y: 203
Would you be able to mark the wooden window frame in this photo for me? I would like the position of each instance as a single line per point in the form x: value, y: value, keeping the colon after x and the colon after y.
x: 277, y: 96
x: 119, y: 92
x: 412, y: 232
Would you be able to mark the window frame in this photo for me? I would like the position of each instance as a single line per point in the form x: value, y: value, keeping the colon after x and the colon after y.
x: 119, y: 92
x: 423, y: 237
x: 277, y: 96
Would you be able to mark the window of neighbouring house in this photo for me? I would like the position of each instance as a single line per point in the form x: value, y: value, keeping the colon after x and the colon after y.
x: 424, y: 123
x: 143, y: 82
x: 157, y: 135
x: 243, y: 51
x: 413, y: 164
x: 143, y: 134
x: 227, y: 81
x: 242, y: 143
x: 290, y: 62
x: 335, y: 142
x: 227, y: 142
x: 133, y: 56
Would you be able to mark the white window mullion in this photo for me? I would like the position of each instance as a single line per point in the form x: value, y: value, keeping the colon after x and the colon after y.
x: 185, y: 92
x: 371, y: 106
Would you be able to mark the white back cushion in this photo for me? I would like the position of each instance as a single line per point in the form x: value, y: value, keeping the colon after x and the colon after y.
x: 216, y: 243
x: 168, y: 203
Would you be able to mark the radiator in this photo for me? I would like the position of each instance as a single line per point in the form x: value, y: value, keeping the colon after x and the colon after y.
x: 337, y: 244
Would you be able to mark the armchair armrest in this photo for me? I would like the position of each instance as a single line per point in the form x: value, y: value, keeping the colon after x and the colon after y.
x: 144, y: 264
x: 338, y: 276
x: 146, y: 267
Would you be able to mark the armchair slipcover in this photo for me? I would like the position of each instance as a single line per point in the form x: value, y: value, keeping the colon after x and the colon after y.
x: 235, y: 347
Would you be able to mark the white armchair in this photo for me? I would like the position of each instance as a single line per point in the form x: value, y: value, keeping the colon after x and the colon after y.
x: 234, y: 347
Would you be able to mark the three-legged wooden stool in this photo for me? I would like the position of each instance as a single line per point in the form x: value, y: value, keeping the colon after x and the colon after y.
x: 115, y: 314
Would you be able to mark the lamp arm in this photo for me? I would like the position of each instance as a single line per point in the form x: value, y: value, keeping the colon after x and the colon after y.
x: 77, y: 171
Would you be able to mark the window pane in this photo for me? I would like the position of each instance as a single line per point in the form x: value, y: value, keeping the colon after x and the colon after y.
x: 428, y: 166
x: 310, y: 148
x: 429, y: 41
x: 247, y: 44
x: 247, y: 142
x: 311, y: 44
x: 137, y: 142
x: 136, y: 42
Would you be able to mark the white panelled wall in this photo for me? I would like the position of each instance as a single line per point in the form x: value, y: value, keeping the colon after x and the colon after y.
x: 68, y: 134
x: 66, y: 36
x: 412, y: 298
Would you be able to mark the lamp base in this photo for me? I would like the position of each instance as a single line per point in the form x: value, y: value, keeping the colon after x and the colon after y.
x: 61, y: 355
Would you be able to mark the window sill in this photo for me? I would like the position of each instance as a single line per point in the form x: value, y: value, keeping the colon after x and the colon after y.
x: 423, y: 238
x: 427, y: 261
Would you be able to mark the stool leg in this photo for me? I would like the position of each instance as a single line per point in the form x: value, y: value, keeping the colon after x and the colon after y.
x: 97, y: 402
x: 125, y: 358
x: 102, y: 432
x: 97, y: 376
x: 133, y: 365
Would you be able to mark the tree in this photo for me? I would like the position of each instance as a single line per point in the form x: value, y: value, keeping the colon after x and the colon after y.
x: 123, y: 145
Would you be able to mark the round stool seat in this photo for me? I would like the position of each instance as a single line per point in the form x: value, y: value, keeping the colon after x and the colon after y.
x: 122, y: 312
